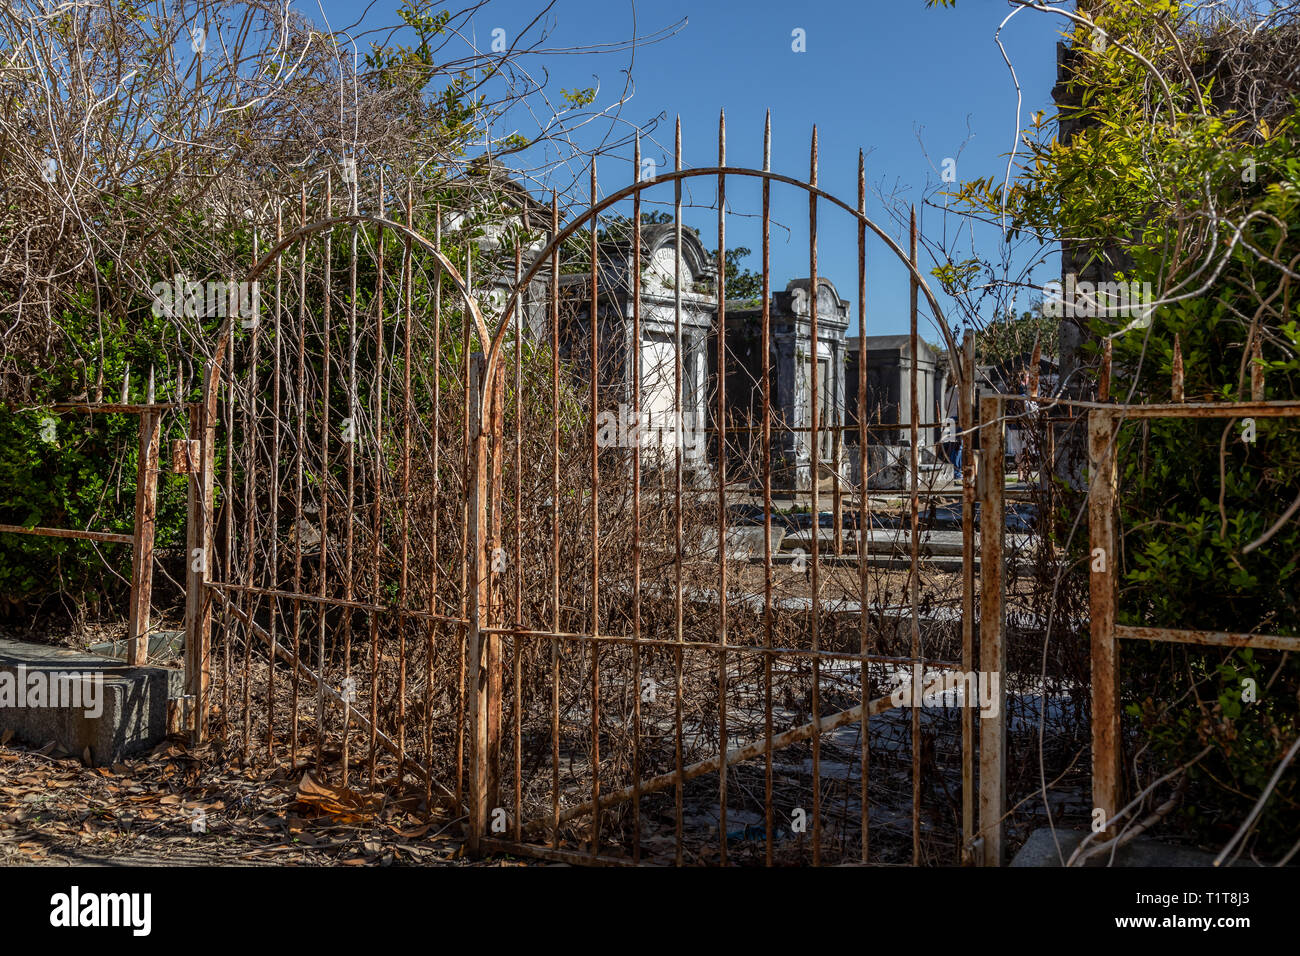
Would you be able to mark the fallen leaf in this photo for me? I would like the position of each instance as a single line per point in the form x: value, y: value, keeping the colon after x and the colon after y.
x: 346, y: 805
x: 414, y: 832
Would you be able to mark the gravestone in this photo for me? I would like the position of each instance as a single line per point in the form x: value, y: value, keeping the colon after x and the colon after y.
x: 791, y: 360
x: 678, y: 307
x: 889, y: 403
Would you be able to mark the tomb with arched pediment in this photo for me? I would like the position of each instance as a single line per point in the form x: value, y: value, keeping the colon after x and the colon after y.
x: 678, y: 310
x: 791, y: 365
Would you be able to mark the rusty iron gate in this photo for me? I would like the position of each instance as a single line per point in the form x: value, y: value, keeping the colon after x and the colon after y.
x: 337, y: 537
x: 451, y: 554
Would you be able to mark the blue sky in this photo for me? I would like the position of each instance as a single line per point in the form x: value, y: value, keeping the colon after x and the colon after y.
x: 909, y: 85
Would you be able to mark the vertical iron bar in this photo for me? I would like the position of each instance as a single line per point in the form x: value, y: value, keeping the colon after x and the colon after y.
x: 766, y: 349
x: 300, y: 459
x: 636, y: 507
x: 228, y: 530
x: 276, y: 427
x: 594, y: 314
x: 914, y: 575
x: 680, y: 411
x: 376, y: 491
x: 1103, y: 431
x: 349, y: 589
x: 518, y: 568
x: 467, y: 442
x: 993, y: 779
x: 864, y: 508
x: 722, y: 488
x: 814, y: 468
x: 555, y: 517
x: 481, y: 755
x: 250, y: 486
x: 965, y: 411
x: 324, y: 488
x: 199, y: 535
x: 146, y: 505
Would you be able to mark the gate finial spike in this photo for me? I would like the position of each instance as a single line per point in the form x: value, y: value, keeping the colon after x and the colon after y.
x: 677, y: 147
x: 767, y: 142
x: 812, y: 164
x: 1035, y: 362
x: 126, y: 384
x: 150, y: 394
x: 862, y: 182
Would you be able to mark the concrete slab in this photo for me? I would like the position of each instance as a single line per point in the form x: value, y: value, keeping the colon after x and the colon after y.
x: 1041, y: 850
x: 933, y: 543
x: 83, y: 702
x: 162, y: 644
x: 744, y: 542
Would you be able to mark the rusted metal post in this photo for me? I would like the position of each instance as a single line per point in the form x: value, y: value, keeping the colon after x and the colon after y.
x: 966, y: 416
x: 482, y: 755
x: 198, y: 544
x: 815, y: 467
x: 914, y: 528
x: 837, y: 491
x: 722, y: 478
x: 593, y: 314
x: 1102, y: 432
x: 864, y: 522
x: 495, y: 556
x: 765, y: 347
x: 993, y: 655
x: 146, y: 506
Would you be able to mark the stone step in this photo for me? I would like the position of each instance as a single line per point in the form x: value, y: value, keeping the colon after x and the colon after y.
x: 945, y: 543
x: 83, y: 703
x: 1047, y: 848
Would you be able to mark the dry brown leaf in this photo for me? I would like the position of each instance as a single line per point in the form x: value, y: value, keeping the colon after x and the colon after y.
x: 414, y: 832
x: 346, y: 805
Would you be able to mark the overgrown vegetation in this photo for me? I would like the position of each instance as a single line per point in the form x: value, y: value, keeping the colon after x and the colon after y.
x: 1180, y: 171
x: 167, y: 138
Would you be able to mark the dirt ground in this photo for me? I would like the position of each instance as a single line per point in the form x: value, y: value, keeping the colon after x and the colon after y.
x: 177, y: 807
